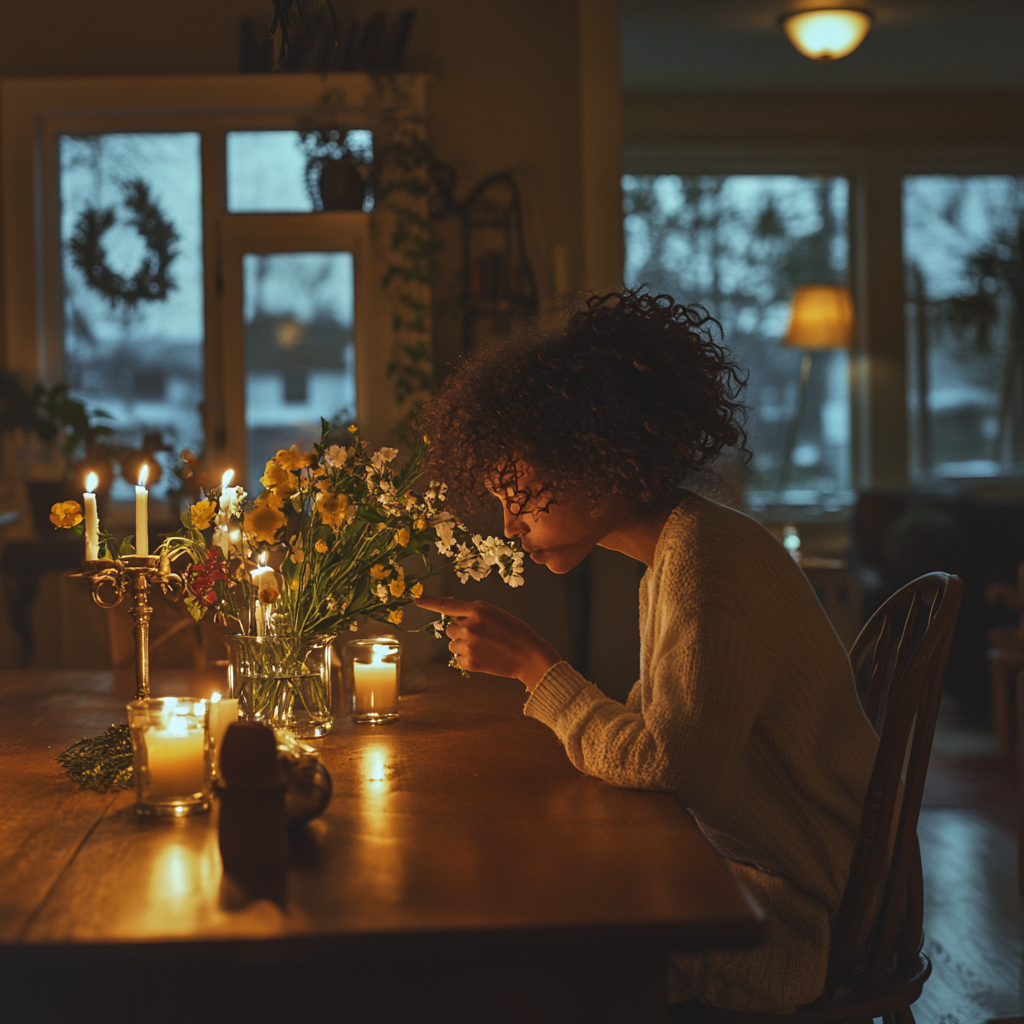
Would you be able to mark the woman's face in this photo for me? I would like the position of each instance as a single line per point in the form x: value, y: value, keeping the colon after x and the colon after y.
x: 565, y: 534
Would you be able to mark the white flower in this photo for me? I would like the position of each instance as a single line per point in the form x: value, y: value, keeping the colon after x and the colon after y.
x: 337, y: 456
x: 510, y: 568
x: 445, y: 536
x: 231, y: 499
x: 440, y: 625
x: 384, y: 455
x: 469, y: 566
x: 382, y: 593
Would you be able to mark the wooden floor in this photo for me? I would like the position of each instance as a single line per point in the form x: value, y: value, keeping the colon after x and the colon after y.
x: 974, y: 917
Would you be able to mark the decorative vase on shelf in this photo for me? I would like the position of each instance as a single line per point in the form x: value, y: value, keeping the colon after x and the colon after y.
x: 283, y: 680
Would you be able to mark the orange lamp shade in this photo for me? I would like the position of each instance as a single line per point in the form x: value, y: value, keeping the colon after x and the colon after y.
x: 821, y: 317
x: 827, y: 34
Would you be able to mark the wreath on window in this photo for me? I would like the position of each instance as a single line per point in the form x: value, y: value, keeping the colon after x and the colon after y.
x: 152, y: 281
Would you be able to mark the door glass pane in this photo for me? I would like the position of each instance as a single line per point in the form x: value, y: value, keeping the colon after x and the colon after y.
x: 133, y: 344
x: 279, y: 172
x: 740, y: 245
x: 965, y: 323
x: 300, y: 356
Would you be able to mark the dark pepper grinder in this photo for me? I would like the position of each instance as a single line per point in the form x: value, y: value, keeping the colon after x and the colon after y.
x: 253, y: 826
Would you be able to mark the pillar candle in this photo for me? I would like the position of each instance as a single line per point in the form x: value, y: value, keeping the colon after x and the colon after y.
x: 142, y: 513
x: 376, y: 684
x: 223, y: 711
x: 92, y: 519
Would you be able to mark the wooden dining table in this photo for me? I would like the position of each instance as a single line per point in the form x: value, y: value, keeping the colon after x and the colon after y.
x: 463, y: 871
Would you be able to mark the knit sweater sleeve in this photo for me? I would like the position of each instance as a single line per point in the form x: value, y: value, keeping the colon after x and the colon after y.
x: 702, y: 691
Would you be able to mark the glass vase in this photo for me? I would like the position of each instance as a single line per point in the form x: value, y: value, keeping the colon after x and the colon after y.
x: 283, y: 680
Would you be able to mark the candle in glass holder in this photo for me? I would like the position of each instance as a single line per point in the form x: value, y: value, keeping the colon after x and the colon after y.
x: 223, y: 711
x: 92, y: 519
x: 142, y: 512
x: 170, y: 754
x: 372, y: 667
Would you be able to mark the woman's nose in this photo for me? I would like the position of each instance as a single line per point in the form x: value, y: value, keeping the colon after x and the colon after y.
x: 514, y: 526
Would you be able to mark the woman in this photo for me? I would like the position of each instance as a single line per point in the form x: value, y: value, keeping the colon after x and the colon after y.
x: 746, y: 708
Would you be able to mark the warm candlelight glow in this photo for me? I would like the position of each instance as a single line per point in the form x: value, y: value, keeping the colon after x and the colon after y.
x: 91, y: 482
x: 144, y: 474
x: 375, y: 683
x: 229, y: 475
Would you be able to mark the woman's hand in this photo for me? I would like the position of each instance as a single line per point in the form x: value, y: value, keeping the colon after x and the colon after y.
x: 487, y: 639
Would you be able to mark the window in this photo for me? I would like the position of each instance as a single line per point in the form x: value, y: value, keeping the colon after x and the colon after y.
x: 964, y: 316
x: 299, y: 351
x: 138, y: 359
x: 740, y: 244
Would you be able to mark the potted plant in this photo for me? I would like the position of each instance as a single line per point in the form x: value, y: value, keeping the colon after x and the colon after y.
x: 338, y: 168
x: 54, y: 429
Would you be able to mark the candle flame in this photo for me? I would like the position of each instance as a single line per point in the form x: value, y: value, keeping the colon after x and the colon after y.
x: 380, y: 652
x: 144, y: 474
x: 91, y: 482
x: 229, y: 475
x: 215, y: 696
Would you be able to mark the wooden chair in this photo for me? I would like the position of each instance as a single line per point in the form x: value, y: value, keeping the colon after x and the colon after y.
x: 876, y: 968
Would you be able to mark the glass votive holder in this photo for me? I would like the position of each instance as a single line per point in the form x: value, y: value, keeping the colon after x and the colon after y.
x: 171, y: 755
x: 371, y: 673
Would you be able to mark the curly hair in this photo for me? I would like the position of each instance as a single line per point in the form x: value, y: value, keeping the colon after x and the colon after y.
x: 631, y: 395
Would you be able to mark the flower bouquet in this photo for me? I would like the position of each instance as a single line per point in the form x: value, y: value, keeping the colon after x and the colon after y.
x: 338, y: 535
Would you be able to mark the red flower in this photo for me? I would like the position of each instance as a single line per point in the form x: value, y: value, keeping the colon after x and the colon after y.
x: 201, y: 577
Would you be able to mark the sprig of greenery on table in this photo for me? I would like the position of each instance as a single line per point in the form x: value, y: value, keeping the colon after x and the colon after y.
x: 101, y: 763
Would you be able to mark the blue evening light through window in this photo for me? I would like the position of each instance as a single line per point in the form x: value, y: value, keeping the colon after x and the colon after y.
x: 739, y: 245
x: 962, y: 253
x: 267, y: 171
x: 144, y: 366
x: 300, y: 356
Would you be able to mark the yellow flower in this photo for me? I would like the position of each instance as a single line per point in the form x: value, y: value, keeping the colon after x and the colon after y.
x: 397, y: 587
x: 402, y: 537
x: 202, y: 513
x: 263, y: 523
x: 321, y: 546
x: 395, y: 616
x: 294, y: 460
x: 66, y: 514
x: 334, y: 509
x: 279, y: 480
x: 420, y: 524
x: 380, y: 572
x: 416, y: 589
x: 353, y: 429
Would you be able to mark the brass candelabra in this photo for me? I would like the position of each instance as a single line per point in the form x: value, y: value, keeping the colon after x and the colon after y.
x: 112, y: 578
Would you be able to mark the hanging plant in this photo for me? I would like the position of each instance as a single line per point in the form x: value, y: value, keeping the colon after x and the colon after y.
x: 152, y: 282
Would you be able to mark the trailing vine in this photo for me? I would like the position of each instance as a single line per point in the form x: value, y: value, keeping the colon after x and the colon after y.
x: 152, y: 282
x: 404, y: 163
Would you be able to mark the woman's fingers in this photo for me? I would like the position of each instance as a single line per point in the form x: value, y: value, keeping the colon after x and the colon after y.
x: 447, y: 606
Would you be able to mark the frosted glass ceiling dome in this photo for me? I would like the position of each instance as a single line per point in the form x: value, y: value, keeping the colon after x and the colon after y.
x: 827, y: 34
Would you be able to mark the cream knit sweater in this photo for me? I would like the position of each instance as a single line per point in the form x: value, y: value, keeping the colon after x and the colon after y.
x: 746, y: 711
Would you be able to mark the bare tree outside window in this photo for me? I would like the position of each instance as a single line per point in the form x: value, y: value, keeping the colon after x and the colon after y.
x: 962, y: 239
x: 740, y: 245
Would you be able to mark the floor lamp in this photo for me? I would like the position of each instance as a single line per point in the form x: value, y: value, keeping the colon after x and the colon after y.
x: 821, y: 317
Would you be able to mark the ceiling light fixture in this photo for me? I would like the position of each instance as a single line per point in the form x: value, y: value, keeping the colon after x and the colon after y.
x: 826, y: 34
